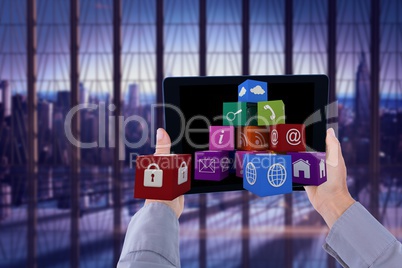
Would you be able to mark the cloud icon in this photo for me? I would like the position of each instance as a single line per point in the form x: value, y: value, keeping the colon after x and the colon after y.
x: 258, y: 90
x: 242, y: 92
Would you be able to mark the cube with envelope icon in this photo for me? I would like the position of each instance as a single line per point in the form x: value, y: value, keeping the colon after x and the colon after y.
x: 211, y: 165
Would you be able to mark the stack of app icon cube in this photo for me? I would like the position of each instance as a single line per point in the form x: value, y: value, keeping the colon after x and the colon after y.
x: 267, y: 153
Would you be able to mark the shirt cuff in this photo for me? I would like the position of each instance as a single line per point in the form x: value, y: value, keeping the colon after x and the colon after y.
x: 357, y: 239
x: 154, y: 228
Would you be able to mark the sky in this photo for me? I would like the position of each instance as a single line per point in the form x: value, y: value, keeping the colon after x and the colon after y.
x: 181, y: 41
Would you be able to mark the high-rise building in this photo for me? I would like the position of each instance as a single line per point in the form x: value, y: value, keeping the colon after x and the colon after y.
x: 362, y: 99
x: 63, y: 100
x: 83, y: 94
x: 361, y: 123
x: 6, y: 97
x: 89, y: 132
x: 60, y: 142
x: 5, y: 201
x: 45, y: 115
x: 133, y: 96
x: 18, y: 130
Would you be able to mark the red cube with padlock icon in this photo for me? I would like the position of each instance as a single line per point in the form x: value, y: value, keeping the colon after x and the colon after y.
x: 287, y: 138
x: 163, y: 177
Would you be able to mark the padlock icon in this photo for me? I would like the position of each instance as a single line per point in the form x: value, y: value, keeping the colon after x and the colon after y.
x: 182, y: 174
x: 153, y: 177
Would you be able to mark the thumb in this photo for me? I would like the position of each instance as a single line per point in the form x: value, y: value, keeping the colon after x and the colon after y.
x: 333, y: 148
x: 310, y: 189
x: 162, y: 142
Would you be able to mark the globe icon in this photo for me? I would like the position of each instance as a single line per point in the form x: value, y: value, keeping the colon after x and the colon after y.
x: 276, y: 175
x: 251, y: 173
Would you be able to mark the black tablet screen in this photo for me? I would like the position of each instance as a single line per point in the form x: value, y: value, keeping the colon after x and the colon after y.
x: 202, y: 106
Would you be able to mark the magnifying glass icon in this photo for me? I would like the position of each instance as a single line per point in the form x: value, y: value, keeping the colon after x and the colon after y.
x: 231, y: 115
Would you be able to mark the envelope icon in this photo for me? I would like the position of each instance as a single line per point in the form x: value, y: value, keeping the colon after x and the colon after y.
x: 206, y: 165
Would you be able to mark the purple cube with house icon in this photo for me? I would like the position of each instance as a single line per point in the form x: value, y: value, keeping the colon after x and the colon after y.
x: 211, y: 165
x: 308, y: 168
x: 221, y: 138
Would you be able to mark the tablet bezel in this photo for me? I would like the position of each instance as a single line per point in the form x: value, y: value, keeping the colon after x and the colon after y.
x: 171, y: 95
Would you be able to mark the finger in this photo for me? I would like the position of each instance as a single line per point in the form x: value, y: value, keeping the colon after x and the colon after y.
x: 181, y: 205
x: 181, y: 200
x: 333, y: 148
x: 162, y: 142
x: 309, y: 188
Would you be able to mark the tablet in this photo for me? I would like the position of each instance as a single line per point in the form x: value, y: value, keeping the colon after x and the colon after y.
x: 192, y: 104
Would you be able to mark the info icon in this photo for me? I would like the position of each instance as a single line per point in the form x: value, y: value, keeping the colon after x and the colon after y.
x: 221, y: 138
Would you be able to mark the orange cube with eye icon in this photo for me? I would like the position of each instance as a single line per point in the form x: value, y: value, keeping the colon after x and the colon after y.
x: 252, y: 138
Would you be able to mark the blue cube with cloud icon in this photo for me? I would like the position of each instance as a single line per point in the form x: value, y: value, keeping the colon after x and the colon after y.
x: 253, y: 91
x: 267, y: 174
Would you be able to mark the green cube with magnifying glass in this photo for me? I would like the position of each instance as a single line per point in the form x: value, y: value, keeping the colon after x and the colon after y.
x: 239, y: 114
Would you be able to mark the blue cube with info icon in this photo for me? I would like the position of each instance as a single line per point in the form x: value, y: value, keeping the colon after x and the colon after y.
x: 252, y: 91
x: 267, y: 174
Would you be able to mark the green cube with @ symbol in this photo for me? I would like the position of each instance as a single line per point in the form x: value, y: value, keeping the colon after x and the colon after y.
x: 239, y: 114
x: 271, y: 113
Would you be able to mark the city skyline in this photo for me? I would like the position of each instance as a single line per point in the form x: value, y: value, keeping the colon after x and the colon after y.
x: 53, y: 107
x: 181, y: 43
x: 150, y: 96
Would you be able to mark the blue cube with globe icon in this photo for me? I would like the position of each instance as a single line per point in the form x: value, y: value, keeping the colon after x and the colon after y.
x: 267, y: 174
x: 252, y: 91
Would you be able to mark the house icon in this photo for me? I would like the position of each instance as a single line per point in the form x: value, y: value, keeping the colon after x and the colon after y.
x: 322, y: 168
x: 301, y: 166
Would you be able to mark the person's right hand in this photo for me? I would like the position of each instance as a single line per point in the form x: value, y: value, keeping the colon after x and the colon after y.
x: 332, y: 198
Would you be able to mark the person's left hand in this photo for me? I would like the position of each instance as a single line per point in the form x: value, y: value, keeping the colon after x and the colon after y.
x: 163, y: 147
